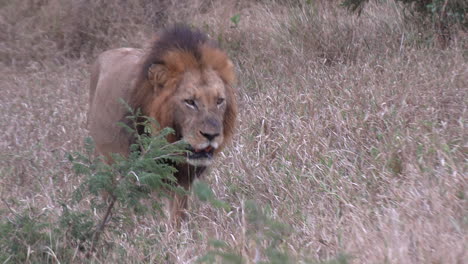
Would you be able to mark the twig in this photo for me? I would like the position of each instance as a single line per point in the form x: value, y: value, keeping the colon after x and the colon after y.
x: 101, y: 226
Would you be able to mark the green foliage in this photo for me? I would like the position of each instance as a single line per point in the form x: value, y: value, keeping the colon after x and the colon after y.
x: 266, y: 229
x: 221, y: 253
x: 442, y: 13
x: 264, y: 239
x: 20, y: 236
x: 235, y: 20
x: 78, y: 226
x: 34, y: 237
x: 263, y: 231
x: 340, y: 259
x: 205, y: 194
x: 126, y: 181
x: 149, y: 168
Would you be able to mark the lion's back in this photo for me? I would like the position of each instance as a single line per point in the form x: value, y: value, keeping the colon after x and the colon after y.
x: 113, y: 76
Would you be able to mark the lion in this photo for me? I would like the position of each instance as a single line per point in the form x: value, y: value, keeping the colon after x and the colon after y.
x: 184, y: 81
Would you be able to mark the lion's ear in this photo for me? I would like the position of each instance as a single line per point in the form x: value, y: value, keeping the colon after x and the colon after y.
x: 157, y: 74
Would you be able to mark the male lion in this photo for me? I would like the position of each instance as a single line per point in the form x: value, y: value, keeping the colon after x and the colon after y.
x: 184, y: 81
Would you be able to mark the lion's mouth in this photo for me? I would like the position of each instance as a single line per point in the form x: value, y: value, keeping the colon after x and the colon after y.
x: 206, y: 153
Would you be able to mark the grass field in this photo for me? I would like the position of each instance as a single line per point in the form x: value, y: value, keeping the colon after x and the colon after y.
x: 352, y: 133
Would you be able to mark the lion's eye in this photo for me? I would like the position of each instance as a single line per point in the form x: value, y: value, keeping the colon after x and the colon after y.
x: 190, y: 103
x: 220, y: 101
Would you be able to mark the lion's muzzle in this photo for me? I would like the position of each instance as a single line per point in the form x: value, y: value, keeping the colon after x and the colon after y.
x: 200, y: 157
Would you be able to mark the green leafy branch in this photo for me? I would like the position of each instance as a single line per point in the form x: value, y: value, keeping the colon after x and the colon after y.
x: 127, y: 180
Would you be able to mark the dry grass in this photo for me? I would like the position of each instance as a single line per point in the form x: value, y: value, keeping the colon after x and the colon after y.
x: 352, y: 129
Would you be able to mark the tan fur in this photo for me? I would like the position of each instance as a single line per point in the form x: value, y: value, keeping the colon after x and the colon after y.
x: 164, y: 83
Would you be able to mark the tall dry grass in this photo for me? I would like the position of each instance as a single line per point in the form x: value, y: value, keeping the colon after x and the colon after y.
x: 352, y: 129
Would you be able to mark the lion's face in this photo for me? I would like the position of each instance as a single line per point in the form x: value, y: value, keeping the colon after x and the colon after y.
x: 192, y: 92
x: 199, y: 105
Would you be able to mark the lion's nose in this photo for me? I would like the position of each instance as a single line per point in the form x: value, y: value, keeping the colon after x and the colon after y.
x: 209, y: 136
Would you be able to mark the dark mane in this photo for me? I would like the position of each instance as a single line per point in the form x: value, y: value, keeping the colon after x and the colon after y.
x: 176, y: 38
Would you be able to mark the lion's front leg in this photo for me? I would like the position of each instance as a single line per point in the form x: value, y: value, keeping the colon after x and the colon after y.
x: 178, y: 209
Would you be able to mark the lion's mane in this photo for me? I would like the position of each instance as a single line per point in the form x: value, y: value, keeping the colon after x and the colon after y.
x: 180, y: 48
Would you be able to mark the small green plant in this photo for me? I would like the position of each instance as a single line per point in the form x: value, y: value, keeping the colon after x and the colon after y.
x: 127, y: 180
x: 441, y: 14
x: 22, y: 235
x: 77, y: 227
x: 221, y: 253
x: 205, y: 194
x: 235, y: 20
x: 264, y: 242
x: 451, y: 11
x: 264, y: 232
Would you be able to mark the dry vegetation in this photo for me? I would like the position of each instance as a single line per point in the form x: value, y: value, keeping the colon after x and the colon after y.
x: 352, y: 129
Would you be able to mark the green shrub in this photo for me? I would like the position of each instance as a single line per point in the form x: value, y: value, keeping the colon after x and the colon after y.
x: 265, y: 238
x: 21, y: 236
x: 441, y: 15
x: 128, y: 180
x: 439, y: 11
x: 263, y: 231
x: 45, y: 238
